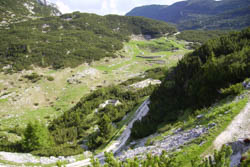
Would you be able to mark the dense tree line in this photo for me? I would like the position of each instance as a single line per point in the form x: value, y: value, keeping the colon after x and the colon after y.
x: 199, y: 37
x: 71, y: 39
x: 199, y: 14
x: 199, y: 80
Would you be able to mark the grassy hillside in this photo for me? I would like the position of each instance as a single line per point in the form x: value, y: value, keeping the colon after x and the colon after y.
x: 199, y: 14
x: 72, y: 39
x: 200, y: 78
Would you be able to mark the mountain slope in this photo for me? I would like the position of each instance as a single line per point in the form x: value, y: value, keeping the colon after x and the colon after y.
x: 21, y: 10
x: 197, y: 14
x: 199, y: 80
x: 71, y: 39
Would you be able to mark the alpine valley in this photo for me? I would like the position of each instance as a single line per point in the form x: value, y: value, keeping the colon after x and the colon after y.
x: 163, y: 86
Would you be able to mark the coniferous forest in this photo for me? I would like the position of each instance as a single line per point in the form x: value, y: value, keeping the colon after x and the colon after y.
x: 198, y: 79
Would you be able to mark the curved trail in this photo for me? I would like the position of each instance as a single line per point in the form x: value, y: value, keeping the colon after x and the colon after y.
x: 121, y: 141
x: 239, y: 128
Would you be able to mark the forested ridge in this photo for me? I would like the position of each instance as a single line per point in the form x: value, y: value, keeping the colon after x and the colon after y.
x: 200, y: 79
x: 200, y: 36
x: 199, y: 14
x: 71, y: 39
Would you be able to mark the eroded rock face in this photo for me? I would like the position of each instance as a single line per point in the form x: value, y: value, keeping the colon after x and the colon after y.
x: 239, y: 147
x: 246, y: 85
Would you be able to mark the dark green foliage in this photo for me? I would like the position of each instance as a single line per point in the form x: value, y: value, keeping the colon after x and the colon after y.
x: 78, y: 123
x: 199, y: 37
x: 245, y: 160
x: 233, y: 89
x: 197, y: 80
x: 71, y: 39
x: 104, y: 133
x: 36, y: 137
x: 200, y: 14
x: 59, y: 150
x: 34, y: 77
x: 50, y: 78
x: 7, y: 146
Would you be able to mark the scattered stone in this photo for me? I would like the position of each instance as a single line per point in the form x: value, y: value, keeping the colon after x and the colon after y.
x: 227, y: 112
x: 200, y: 116
x: 110, y: 102
x: 178, y: 130
x: 76, y: 79
x: 246, y: 84
x: 211, y: 125
x: 169, y: 143
x: 145, y: 83
x: 239, y: 148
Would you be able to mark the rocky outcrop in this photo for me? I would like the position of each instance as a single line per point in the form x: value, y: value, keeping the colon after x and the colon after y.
x: 239, y: 147
x: 77, y: 78
x: 169, y: 143
x: 145, y: 83
x: 246, y: 84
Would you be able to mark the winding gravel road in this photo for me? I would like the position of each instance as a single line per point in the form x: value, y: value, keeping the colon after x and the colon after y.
x: 121, y: 141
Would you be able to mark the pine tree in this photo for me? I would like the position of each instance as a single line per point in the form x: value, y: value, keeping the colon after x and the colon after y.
x: 105, y: 127
x: 36, y: 136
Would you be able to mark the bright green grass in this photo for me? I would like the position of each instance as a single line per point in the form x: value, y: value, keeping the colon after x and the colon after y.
x: 3, y: 100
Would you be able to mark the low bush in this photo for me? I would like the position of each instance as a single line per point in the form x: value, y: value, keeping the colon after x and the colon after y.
x: 50, y: 78
x: 233, y: 89
x: 59, y: 150
x: 34, y: 77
